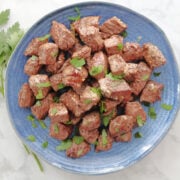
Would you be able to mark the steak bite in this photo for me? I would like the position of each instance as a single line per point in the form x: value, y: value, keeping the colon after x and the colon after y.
x: 33, y: 46
x: 113, y: 45
x: 60, y: 131
x: 152, y: 92
x: 48, y: 53
x: 74, y: 77
x: 91, y: 121
x: 109, y: 104
x: 89, y: 98
x: 105, y: 142
x: 98, y: 65
x: 84, y: 52
x: 58, y: 113
x: 90, y: 35
x: 56, y: 82
x: 40, y: 85
x: 130, y: 71
x: 123, y: 137
x: 153, y: 56
x: 141, y: 77
x: 117, y: 64
x: 135, y: 110
x: 112, y: 26
x: 32, y: 66
x: 78, y: 150
x: 120, y: 125
x: 89, y: 136
x: 115, y: 89
x: 54, y: 68
x: 25, y: 97
x: 41, y: 108
x: 132, y: 51
x: 62, y: 36
x: 72, y: 101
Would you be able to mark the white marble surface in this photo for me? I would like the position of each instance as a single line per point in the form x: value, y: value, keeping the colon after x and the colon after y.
x: 163, y: 163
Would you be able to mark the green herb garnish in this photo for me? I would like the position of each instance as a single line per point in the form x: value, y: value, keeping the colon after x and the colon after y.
x: 106, y: 119
x: 139, y: 121
x: 32, y: 120
x: 145, y: 77
x: 115, y: 77
x: 43, y: 84
x: 66, y: 144
x: 42, y: 124
x: 31, y: 138
x: 47, y: 36
x: 151, y: 112
x: 56, y: 99
x: 39, y: 94
x: 156, y: 74
x: 27, y: 149
x: 87, y: 101
x: 146, y: 104
x: 38, y: 103
x: 96, y: 90
x: 104, y: 137
x: 4, y: 17
x: 61, y: 86
x: 34, y: 58
x: 38, y: 162
x: 53, y: 111
x: 75, y: 18
x: 45, y: 144
x: 79, y: 153
x: 54, y: 54
x: 96, y: 70
x: 56, y: 128
x: 78, y: 139
x: 102, y: 107
x: 124, y: 34
x: 68, y: 122
x: 77, y: 62
x: 120, y: 46
x: 138, y: 135
x: 166, y: 106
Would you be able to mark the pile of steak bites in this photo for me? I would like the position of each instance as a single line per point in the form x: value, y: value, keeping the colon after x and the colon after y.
x: 84, y: 76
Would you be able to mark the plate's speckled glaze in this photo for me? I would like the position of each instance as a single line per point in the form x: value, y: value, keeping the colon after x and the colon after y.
x: 122, y: 154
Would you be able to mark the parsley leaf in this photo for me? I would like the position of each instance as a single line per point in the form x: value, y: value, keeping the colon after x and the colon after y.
x: 104, y: 137
x: 102, y: 107
x: 156, y: 74
x: 42, y: 124
x: 56, y: 99
x: 139, y: 121
x: 120, y: 46
x: 53, y: 111
x: 61, y: 86
x: 4, y: 17
x: 78, y: 139
x: 39, y: 94
x: 75, y: 18
x: 138, y: 135
x: 47, y: 36
x: 66, y: 144
x: 166, y: 106
x: 87, y: 101
x: 31, y: 138
x: 38, y: 162
x: 151, y: 112
x: 115, y: 77
x: 124, y: 34
x: 32, y: 120
x: 96, y: 90
x: 44, y: 84
x: 56, y: 128
x: 145, y: 77
x: 96, y: 70
x: 106, y: 119
x: 45, y: 144
x: 77, y: 62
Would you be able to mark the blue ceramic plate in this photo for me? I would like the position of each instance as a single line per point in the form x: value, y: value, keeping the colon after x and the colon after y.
x: 122, y: 154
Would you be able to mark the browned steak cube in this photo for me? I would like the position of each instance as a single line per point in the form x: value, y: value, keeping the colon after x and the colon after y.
x: 58, y: 113
x: 89, y: 136
x: 56, y: 82
x: 114, y: 44
x: 60, y: 131
x: 152, y: 92
x: 54, y: 68
x: 41, y: 108
x: 153, y: 55
x: 84, y: 52
x: 141, y: 77
x: 77, y: 46
x: 109, y: 104
x: 78, y: 150
x: 74, y: 77
x: 105, y: 142
x: 117, y: 64
x: 98, y: 65
x: 120, y: 125
x: 91, y: 121
x: 25, y: 97
x: 32, y: 66
x: 136, y: 110
x: 115, y: 89
x: 62, y: 36
x: 72, y: 101
x: 112, y: 26
x: 33, y: 46
x: 130, y: 71
x: 48, y: 53
x: 132, y: 51
x: 126, y: 137
x: 90, y: 35
x: 40, y: 85
x: 89, y: 98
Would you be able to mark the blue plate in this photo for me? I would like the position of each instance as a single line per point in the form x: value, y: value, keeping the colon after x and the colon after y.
x: 122, y: 154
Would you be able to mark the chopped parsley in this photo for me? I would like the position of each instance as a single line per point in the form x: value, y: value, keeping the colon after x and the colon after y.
x: 87, y: 101
x: 77, y: 62
x: 34, y: 58
x: 38, y: 162
x: 96, y: 70
x: 106, y: 119
x: 61, y: 86
x: 39, y: 94
x: 79, y: 153
x: 115, y: 77
x: 120, y: 46
x: 138, y: 135
x: 151, y: 112
x: 78, y: 139
x: 32, y: 120
x: 42, y: 124
x: 44, y: 84
x: 75, y: 18
x: 124, y: 34
x: 145, y: 77
x: 96, y: 90
x: 54, y: 54
x: 66, y: 144
x: 44, y: 144
x: 47, y: 36
x: 166, y: 106
x: 156, y: 74
x: 56, y: 128
x: 38, y: 103
x: 31, y: 138
x: 104, y: 137
x: 4, y: 17
x: 139, y: 121
x: 102, y: 107
x: 68, y: 122
x: 53, y: 111
x: 56, y: 99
